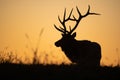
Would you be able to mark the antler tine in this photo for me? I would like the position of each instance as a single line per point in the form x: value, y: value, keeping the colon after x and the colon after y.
x: 88, y: 9
x: 70, y: 15
x: 80, y: 17
x: 89, y: 13
x: 70, y: 28
x: 78, y: 11
x: 64, y: 14
x: 65, y: 20
x: 61, y: 30
x: 63, y: 23
x: 59, y: 20
x: 95, y: 14
x: 77, y: 20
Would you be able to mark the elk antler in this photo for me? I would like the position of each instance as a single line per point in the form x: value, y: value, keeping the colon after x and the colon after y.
x: 72, y: 19
x: 80, y: 17
x: 63, y: 22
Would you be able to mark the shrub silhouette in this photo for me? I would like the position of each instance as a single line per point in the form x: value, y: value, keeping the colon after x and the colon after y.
x: 9, y: 57
x: 84, y: 52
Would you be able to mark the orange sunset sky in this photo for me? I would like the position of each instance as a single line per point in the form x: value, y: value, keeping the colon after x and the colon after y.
x: 21, y: 17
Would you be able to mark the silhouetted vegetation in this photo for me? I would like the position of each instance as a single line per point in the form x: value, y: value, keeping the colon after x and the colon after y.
x: 35, y: 50
x: 11, y: 70
x: 57, y: 72
x: 9, y: 57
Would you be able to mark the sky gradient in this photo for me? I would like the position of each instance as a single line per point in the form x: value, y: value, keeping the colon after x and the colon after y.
x: 19, y: 18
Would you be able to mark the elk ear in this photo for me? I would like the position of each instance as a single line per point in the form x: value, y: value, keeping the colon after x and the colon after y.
x: 74, y: 35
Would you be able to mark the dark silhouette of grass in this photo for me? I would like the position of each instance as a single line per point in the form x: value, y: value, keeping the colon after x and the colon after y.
x: 57, y: 72
x: 9, y: 57
x: 35, y: 50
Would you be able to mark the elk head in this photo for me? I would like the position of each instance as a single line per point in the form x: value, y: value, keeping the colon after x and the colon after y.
x: 68, y: 36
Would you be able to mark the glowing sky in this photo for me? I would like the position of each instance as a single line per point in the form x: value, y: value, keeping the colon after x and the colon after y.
x: 20, y: 17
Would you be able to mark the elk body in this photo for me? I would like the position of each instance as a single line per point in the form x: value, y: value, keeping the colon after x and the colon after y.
x: 82, y: 52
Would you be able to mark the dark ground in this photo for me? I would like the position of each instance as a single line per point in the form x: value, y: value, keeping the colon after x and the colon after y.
x: 56, y: 72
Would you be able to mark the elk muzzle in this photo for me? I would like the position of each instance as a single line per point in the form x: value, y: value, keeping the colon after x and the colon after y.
x: 57, y: 43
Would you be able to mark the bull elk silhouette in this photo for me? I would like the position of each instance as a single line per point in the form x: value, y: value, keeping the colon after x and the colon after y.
x: 82, y: 52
